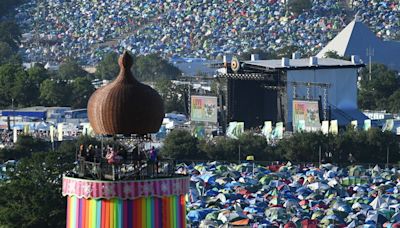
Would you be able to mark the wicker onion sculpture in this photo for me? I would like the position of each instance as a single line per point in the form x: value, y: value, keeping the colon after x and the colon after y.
x: 125, y: 106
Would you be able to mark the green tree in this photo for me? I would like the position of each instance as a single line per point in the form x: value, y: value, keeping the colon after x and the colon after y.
x: 108, y: 67
x: 152, y: 67
x: 335, y: 55
x: 38, y: 74
x: 394, y: 102
x: 364, y: 146
x: 255, y: 145
x: 344, y: 144
x: 180, y: 144
x: 174, y: 96
x: 287, y: 51
x: 6, y: 52
x: 29, y: 143
x: 377, y: 143
x: 366, y: 99
x: 221, y: 148
x: 8, y: 74
x: 25, y: 146
x: 374, y: 93
x: 301, y: 146
x: 25, y: 91
x: 54, y: 93
x: 10, y: 34
x: 299, y: 6
x: 70, y: 70
x: 7, y: 7
x: 82, y: 88
x: 31, y: 197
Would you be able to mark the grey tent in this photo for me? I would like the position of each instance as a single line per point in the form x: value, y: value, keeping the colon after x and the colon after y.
x: 356, y: 38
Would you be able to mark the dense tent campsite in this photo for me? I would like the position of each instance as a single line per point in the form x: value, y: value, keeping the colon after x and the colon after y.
x: 186, y: 28
x: 288, y: 195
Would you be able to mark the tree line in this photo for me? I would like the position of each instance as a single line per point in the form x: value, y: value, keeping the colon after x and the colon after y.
x: 38, y: 86
x: 71, y: 85
x: 349, y: 146
x: 31, y: 193
x: 379, y: 90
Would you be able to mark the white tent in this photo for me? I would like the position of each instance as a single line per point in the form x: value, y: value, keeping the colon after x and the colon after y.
x: 377, y: 202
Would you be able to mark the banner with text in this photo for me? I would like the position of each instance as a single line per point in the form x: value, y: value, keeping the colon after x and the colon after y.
x: 306, y: 116
x: 204, y: 109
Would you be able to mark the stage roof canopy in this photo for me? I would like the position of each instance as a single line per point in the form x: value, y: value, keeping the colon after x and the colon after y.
x: 295, y: 64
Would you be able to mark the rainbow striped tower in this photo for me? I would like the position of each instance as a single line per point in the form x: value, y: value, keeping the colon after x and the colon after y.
x: 140, y: 200
x: 122, y: 204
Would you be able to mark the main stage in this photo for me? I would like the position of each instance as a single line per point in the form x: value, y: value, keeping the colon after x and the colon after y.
x: 264, y: 90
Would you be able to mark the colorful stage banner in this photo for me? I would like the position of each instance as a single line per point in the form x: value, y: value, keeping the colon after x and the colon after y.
x: 306, y: 116
x: 204, y: 109
x: 96, y: 189
x: 157, y: 212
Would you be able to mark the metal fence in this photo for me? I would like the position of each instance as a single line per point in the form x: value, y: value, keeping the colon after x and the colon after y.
x: 126, y: 170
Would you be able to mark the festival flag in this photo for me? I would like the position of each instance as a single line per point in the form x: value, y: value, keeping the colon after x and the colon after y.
x: 26, y: 129
x: 389, y: 124
x: 334, y: 129
x: 367, y: 124
x: 354, y: 123
x: 235, y: 129
x: 278, y: 131
x: 60, y: 132
x: 230, y: 129
x: 52, y: 133
x: 239, y: 129
x: 325, y: 127
x: 267, y: 129
x: 15, y: 134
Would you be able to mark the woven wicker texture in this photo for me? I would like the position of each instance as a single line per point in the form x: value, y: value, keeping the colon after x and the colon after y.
x: 125, y: 106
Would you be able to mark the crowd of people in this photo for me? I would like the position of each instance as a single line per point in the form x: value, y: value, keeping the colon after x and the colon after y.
x: 290, y: 196
x: 117, y: 155
x: 86, y: 29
